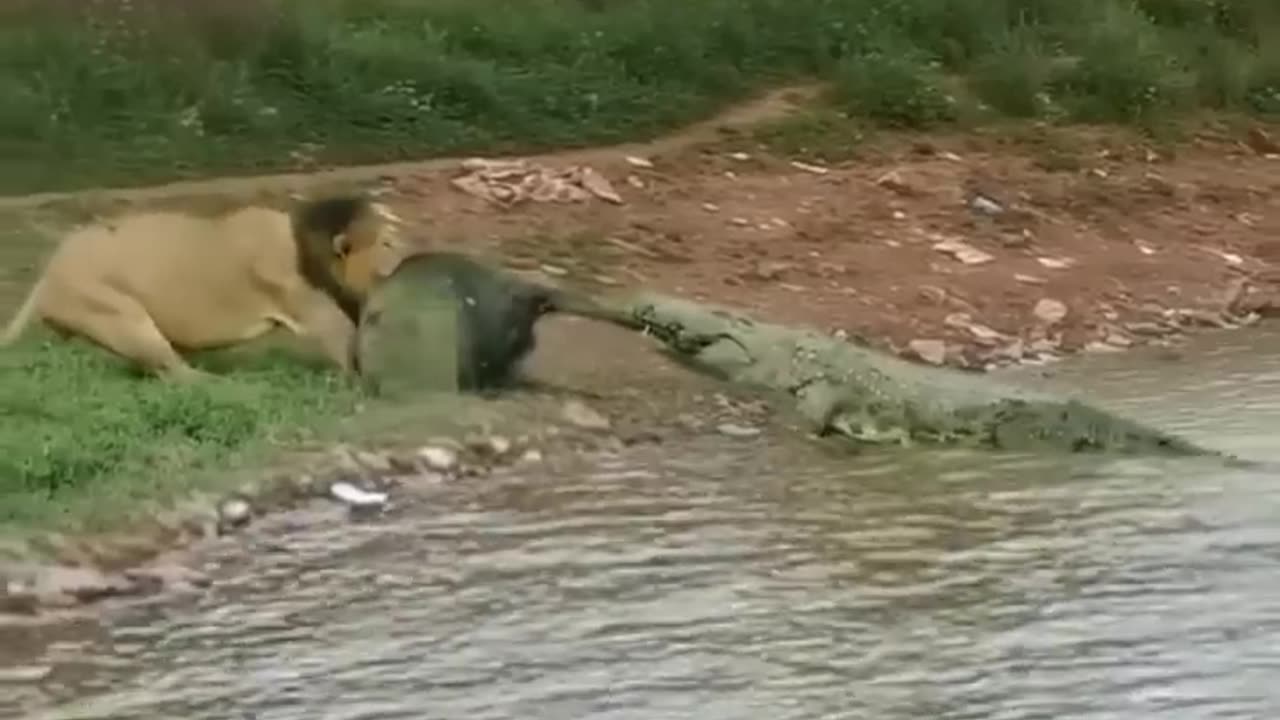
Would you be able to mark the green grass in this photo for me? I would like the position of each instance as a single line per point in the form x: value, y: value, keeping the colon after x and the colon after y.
x: 132, y: 91
x: 85, y: 439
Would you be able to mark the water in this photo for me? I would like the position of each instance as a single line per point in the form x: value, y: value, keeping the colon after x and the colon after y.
x: 737, y: 579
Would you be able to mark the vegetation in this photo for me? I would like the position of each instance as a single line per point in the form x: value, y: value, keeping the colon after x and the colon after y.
x: 84, y: 439
x: 130, y: 91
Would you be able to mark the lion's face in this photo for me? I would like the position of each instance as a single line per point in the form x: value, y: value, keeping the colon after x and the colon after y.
x: 371, y: 248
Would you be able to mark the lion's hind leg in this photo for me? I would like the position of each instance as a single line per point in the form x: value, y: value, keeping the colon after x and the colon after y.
x: 123, y: 326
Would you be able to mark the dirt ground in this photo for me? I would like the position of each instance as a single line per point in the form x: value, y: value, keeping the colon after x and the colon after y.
x: 974, y: 249
x: 964, y: 249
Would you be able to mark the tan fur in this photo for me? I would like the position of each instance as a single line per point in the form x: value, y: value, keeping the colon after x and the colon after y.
x: 146, y: 284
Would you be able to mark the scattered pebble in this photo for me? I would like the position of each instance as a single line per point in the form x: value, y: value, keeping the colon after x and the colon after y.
x: 639, y: 162
x: 554, y: 270
x: 1029, y: 279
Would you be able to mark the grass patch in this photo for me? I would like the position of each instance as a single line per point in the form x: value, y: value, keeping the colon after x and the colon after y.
x: 819, y: 135
x: 120, y: 92
x: 86, y: 441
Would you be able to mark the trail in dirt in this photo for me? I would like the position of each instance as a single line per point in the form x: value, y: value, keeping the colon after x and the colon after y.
x: 770, y: 106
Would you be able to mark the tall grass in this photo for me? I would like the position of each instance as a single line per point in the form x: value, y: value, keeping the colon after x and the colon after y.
x: 124, y: 91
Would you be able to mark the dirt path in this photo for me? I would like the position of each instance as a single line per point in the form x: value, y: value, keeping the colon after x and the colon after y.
x: 770, y: 106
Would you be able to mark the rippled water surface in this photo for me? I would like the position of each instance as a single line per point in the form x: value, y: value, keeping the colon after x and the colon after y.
x: 732, y: 579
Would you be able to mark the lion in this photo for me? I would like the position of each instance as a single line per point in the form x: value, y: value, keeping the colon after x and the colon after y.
x: 146, y: 285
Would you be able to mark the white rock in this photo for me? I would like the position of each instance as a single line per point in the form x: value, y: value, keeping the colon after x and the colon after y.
x: 737, y: 431
x: 815, y: 169
x: 499, y: 445
x: 356, y: 497
x: 440, y: 459
x: 964, y: 252
x: 639, y: 162
x: 580, y: 414
x: 234, y: 512
x: 1056, y: 263
x: 1050, y: 311
x: 933, y: 352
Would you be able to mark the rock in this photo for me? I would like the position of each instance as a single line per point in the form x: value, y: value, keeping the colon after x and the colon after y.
x: 376, y: 462
x: 1014, y: 351
x: 964, y: 252
x: 985, y: 205
x: 440, y: 459
x: 639, y: 162
x: 1262, y: 143
x: 740, y: 156
x: 580, y: 415
x: 738, y: 431
x: 531, y: 456
x: 357, y: 497
x: 1049, y: 311
x: 1029, y: 279
x: 1117, y: 340
x: 1095, y: 346
x: 499, y: 446
x: 1056, y: 263
x: 1234, y: 294
x: 598, y: 185
x: 771, y: 269
x: 933, y: 352
x: 553, y: 270
x: 893, y: 181
x: 234, y: 513
x: 815, y: 169
x: 1148, y: 329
